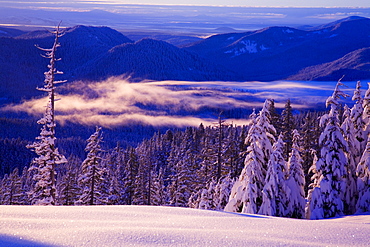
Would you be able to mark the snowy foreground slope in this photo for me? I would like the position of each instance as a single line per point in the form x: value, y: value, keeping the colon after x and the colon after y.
x: 170, y: 226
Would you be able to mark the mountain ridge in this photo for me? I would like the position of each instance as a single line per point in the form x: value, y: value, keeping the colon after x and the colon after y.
x: 268, y: 54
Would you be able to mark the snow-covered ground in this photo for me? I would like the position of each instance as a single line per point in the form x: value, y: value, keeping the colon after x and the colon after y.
x: 170, y: 226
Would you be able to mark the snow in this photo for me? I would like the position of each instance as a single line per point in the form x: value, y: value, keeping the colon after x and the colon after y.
x: 170, y: 226
x: 288, y: 31
x: 247, y: 46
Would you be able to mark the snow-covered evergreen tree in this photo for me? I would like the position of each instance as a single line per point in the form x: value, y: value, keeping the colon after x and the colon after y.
x: 130, y: 172
x: 206, y: 196
x: 366, y: 112
x: 68, y: 189
x: 332, y: 164
x: 268, y: 130
x: 214, y: 196
x: 274, y: 193
x: 11, y: 189
x: 91, y: 176
x: 350, y: 195
x: 274, y: 117
x: 222, y: 192
x: 43, y: 166
x: 314, y: 208
x: 296, y: 181
x: 157, y: 193
x: 287, y: 127
x: 356, y: 115
x: 363, y: 181
x: 183, y: 178
x: 310, y: 132
x: 246, y: 193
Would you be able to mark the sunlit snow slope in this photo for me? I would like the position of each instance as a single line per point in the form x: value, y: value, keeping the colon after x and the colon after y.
x: 170, y: 226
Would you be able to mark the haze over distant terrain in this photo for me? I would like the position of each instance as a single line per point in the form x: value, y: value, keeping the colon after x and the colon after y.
x: 195, y: 20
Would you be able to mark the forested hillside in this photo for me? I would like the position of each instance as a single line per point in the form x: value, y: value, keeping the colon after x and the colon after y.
x: 274, y: 53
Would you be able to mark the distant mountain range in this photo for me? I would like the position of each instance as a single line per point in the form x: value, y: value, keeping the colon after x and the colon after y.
x: 276, y: 53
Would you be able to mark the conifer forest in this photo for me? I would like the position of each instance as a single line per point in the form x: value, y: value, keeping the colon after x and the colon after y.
x: 297, y: 164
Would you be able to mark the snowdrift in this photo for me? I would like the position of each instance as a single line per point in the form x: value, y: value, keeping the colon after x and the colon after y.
x: 170, y: 226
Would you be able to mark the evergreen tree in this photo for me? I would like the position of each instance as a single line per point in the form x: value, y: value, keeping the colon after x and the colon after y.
x: 206, y: 196
x: 310, y: 134
x: 44, y: 190
x: 68, y: 189
x: 12, y: 193
x: 268, y: 130
x: 366, y: 112
x: 314, y: 209
x: 232, y: 151
x: 296, y: 181
x: 183, y: 178
x: 350, y: 194
x: 27, y: 184
x: 246, y: 193
x: 274, y: 118
x: 157, y: 193
x: 332, y: 164
x: 222, y: 191
x: 363, y: 181
x: 287, y: 127
x: 356, y: 115
x: 130, y: 172
x: 91, y: 176
x: 274, y: 193
x: 114, y: 163
x: 144, y: 180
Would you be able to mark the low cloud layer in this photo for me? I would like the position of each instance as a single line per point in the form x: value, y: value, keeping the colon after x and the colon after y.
x: 116, y: 102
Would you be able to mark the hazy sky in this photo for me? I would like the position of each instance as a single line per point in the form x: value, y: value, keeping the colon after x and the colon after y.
x: 291, y: 3
x: 274, y: 3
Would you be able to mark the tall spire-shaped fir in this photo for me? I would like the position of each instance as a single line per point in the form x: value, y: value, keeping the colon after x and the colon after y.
x: 91, y: 176
x: 296, y: 180
x: 43, y: 166
x: 275, y: 191
x: 246, y: 193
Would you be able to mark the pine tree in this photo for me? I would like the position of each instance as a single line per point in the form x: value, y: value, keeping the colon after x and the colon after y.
x: 157, y: 194
x: 274, y: 193
x: 287, y: 127
x: 357, y: 113
x: 314, y: 209
x: 274, y: 117
x: 233, y: 146
x: 246, y: 193
x: 44, y: 190
x: 350, y: 194
x: 184, y: 180
x: 144, y: 180
x: 332, y: 164
x: 92, y: 173
x: 130, y: 172
x: 310, y: 132
x: 27, y: 184
x: 222, y: 191
x: 363, y: 181
x: 12, y: 193
x: 68, y: 189
x: 296, y: 181
x: 366, y: 112
x: 268, y: 130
